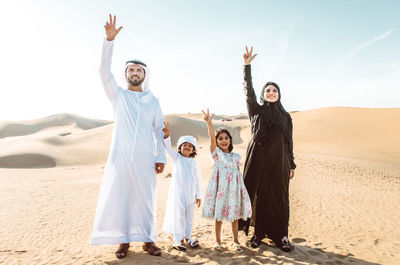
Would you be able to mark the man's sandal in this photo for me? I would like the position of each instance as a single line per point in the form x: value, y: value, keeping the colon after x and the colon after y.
x: 122, y: 251
x: 238, y: 247
x: 193, y: 243
x: 179, y: 246
x: 217, y: 247
x: 151, y: 248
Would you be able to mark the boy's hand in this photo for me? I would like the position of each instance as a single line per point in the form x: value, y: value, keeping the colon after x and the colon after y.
x: 166, y: 130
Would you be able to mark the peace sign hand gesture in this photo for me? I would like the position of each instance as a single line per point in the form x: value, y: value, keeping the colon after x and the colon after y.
x: 166, y: 130
x: 207, y: 116
x: 111, y: 30
x: 248, y: 57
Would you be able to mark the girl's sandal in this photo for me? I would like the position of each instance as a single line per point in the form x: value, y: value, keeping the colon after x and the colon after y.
x: 238, y: 248
x: 217, y: 247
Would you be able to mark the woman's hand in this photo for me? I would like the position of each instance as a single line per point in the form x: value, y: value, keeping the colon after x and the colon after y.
x: 111, y: 30
x: 291, y: 173
x: 166, y: 130
x: 207, y: 116
x: 248, y: 57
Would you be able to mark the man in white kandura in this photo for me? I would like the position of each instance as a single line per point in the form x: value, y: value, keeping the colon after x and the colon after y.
x: 126, y: 209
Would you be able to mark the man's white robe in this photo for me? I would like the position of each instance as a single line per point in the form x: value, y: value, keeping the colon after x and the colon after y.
x: 184, y: 189
x: 126, y: 209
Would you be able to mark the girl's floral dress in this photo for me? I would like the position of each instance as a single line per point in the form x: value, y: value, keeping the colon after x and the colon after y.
x: 226, y: 196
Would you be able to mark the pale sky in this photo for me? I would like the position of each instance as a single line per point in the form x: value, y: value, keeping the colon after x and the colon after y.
x: 321, y: 53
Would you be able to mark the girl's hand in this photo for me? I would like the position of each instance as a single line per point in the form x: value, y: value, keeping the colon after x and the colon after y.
x: 248, y: 57
x: 291, y: 173
x: 166, y: 130
x: 198, y: 202
x: 207, y: 116
x: 111, y: 30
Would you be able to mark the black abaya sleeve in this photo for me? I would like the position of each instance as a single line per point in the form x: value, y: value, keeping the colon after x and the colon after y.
x: 290, y: 129
x: 251, y: 99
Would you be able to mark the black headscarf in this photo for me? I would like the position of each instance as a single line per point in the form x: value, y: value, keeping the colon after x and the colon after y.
x: 274, y: 114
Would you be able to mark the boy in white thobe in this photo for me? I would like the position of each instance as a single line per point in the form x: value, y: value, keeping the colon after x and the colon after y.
x: 184, y: 191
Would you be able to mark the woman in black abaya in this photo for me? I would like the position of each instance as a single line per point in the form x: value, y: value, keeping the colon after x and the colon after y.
x: 269, y: 162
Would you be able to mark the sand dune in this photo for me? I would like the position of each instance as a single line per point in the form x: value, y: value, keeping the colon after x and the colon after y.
x: 343, y: 197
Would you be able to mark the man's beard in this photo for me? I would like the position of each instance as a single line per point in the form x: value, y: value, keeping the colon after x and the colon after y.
x: 135, y: 82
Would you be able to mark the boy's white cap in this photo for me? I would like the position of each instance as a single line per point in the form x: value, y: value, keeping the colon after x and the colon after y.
x: 187, y: 139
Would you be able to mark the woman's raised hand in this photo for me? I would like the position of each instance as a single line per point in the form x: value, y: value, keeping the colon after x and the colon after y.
x: 166, y: 130
x: 111, y: 30
x: 248, y: 56
x: 207, y: 116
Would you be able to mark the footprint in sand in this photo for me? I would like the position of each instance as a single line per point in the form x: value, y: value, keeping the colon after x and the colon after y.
x: 298, y: 240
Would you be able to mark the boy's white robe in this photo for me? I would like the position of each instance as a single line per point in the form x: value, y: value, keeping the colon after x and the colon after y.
x: 184, y: 189
x: 126, y: 208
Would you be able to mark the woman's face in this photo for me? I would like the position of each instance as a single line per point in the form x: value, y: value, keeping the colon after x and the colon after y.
x: 223, y: 141
x: 271, y: 94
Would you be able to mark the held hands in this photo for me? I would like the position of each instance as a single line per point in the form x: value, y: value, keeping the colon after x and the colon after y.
x: 111, y: 30
x: 198, y: 202
x: 248, y: 57
x: 207, y: 116
x: 166, y: 130
x: 159, y: 168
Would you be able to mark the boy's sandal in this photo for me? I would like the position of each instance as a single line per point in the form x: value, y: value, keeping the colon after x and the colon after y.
x: 285, y: 246
x: 179, y: 246
x: 151, y: 248
x: 122, y: 251
x: 193, y: 243
x: 217, y: 247
x: 238, y: 247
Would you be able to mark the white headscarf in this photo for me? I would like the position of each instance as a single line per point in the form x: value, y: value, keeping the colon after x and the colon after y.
x: 146, y: 81
x: 187, y: 139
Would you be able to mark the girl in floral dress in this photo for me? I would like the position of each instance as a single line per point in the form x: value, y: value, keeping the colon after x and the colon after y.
x: 226, y: 196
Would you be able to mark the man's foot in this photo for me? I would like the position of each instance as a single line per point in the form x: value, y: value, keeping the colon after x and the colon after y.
x: 151, y: 248
x: 122, y: 251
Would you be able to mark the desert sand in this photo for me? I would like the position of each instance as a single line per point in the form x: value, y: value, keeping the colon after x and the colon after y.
x: 344, y: 197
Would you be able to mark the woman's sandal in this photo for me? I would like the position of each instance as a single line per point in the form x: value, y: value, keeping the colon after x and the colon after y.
x: 193, y: 243
x: 217, y: 247
x: 122, y: 251
x: 285, y: 246
x: 151, y: 248
x: 255, y: 242
x: 238, y: 247
x: 179, y: 246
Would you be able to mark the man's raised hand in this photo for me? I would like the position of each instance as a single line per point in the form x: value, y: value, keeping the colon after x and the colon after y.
x: 111, y: 30
x: 248, y: 56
